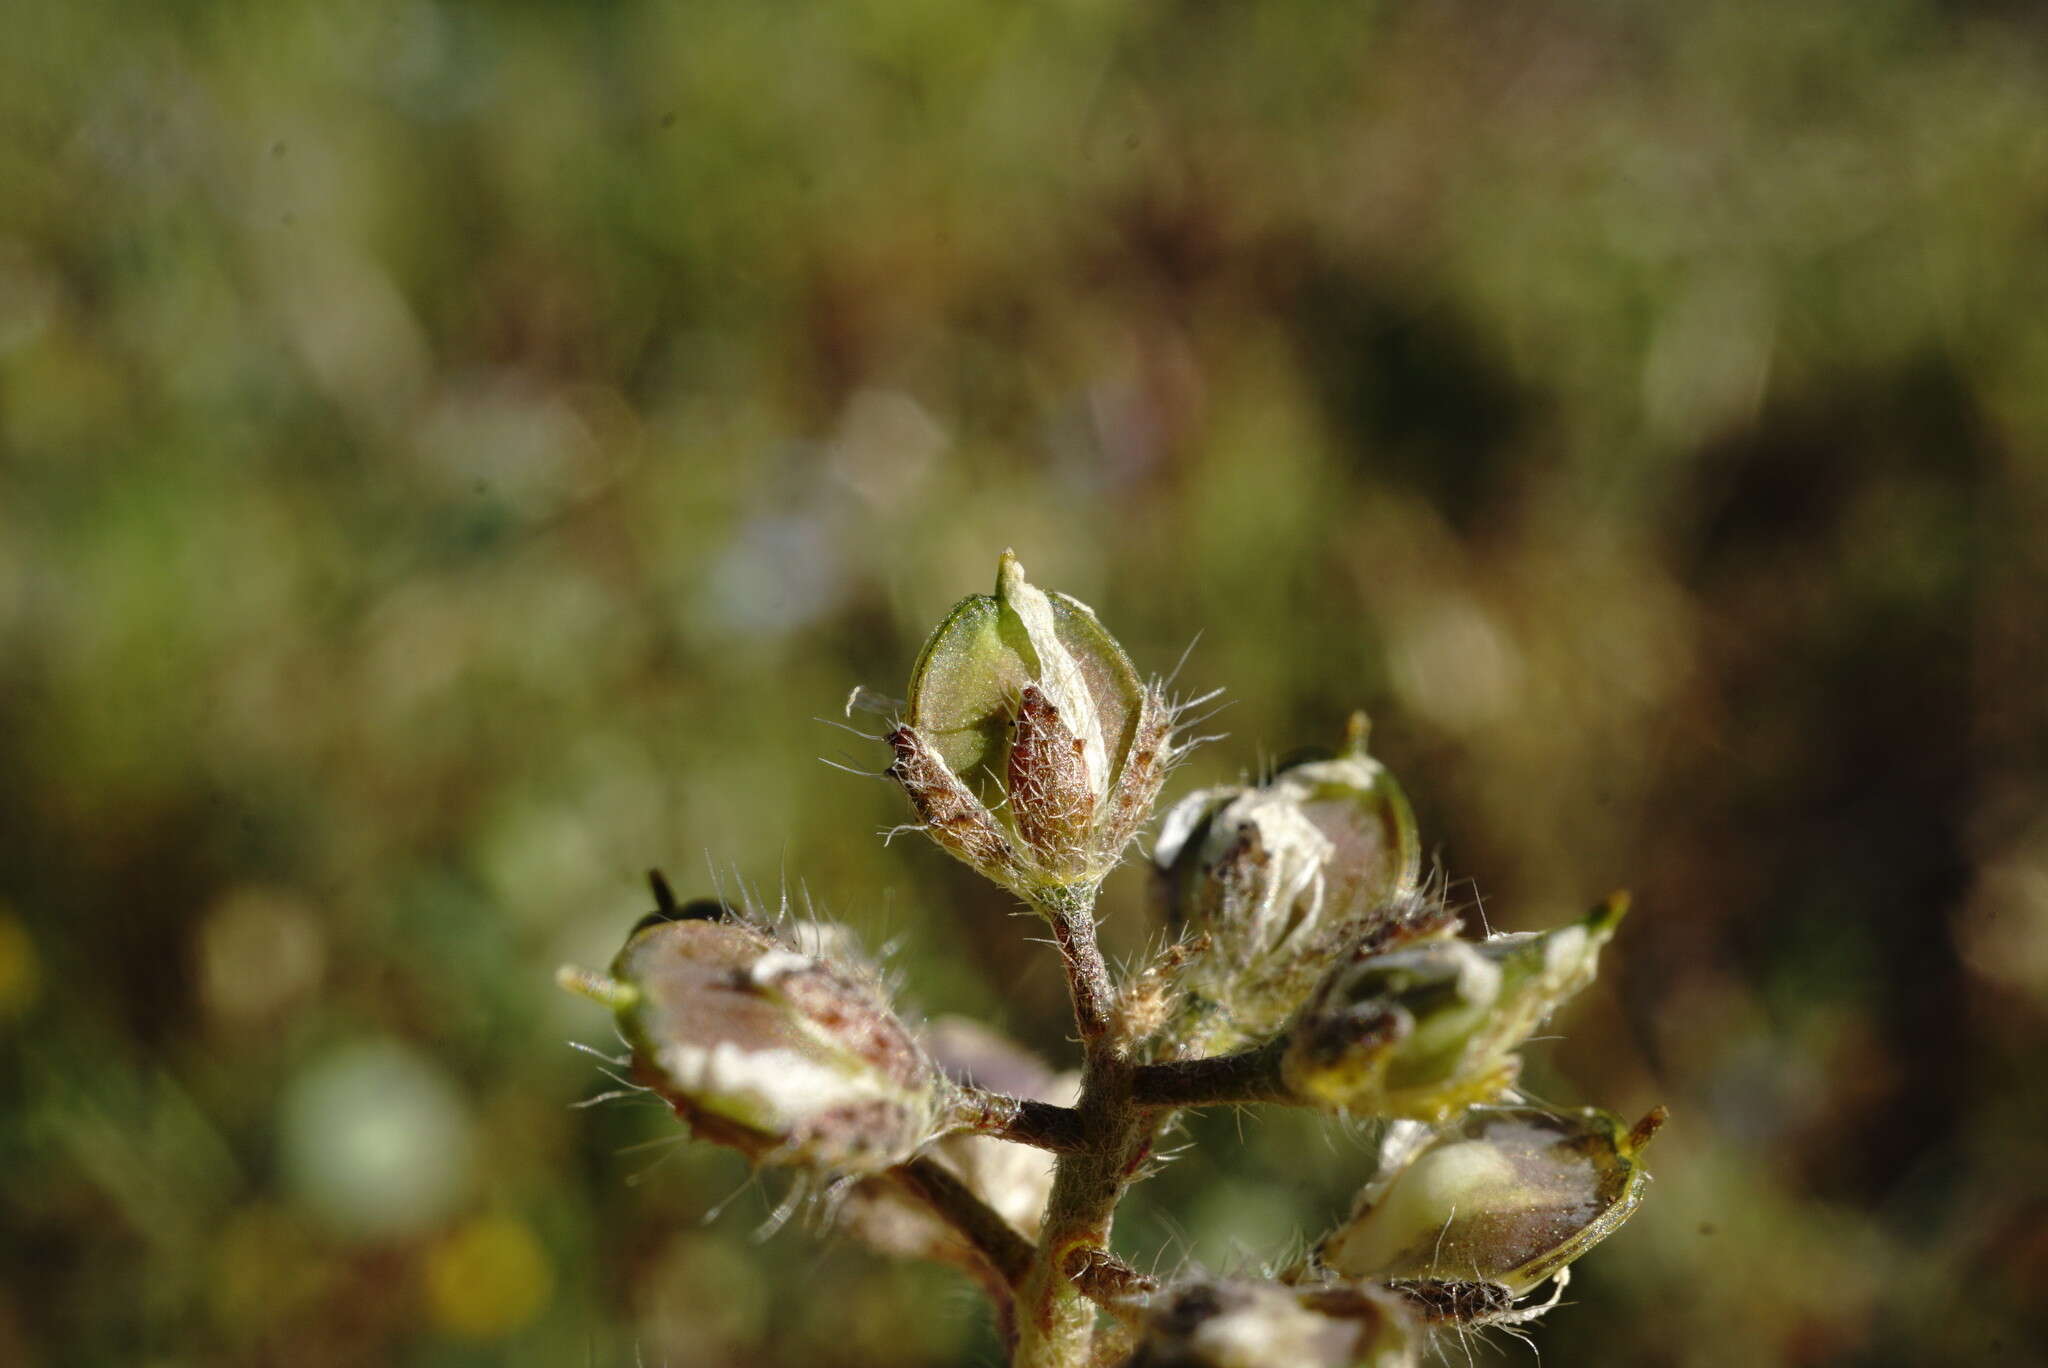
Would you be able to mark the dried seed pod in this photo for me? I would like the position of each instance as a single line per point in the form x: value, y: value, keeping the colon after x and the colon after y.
x: 1030, y: 748
x: 789, y: 1058
x: 1284, y: 876
x: 1427, y: 1030
x: 1213, y: 1323
x: 1506, y: 1197
x: 1355, y: 801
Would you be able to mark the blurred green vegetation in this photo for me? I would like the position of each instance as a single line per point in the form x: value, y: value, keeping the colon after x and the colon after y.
x: 450, y: 452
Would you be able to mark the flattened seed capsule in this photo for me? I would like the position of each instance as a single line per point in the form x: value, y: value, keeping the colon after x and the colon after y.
x: 789, y: 1058
x: 1429, y: 1029
x: 1507, y: 1196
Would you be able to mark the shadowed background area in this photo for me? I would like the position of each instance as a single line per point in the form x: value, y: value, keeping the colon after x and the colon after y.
x: 451, y: 452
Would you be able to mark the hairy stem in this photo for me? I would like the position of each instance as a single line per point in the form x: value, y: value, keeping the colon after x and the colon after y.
x: 1020, y: 1120
x: 1056, y: 1322
x: 1073, y: 930
x: 1008, y: 1253
x: 1253, y: 1076
x: 1114, y: 1285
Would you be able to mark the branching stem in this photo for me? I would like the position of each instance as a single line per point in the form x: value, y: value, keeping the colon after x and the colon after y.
x: 1056, y: 1317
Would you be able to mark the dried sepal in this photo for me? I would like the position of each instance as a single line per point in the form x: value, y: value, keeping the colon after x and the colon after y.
x: 1429, y: 1029
x: 1146, y: 764
x: 1454, y: 1301
x: 950, y: 813
x: 1507, y: 1197
x: 1051, y: 797
x: 1156, y: 997
x: 1220, y: 1323
x: 790, y: 1058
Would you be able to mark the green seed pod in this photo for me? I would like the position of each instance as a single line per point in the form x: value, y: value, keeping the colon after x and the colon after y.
x: 1030, y: 748
x: 791, y: 1059
x: 1212, y: 1323
x: 1508, y: 1197
x: 1425, y: 1031
x: 1281, y: 877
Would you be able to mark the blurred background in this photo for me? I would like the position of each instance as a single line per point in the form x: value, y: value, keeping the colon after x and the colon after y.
x: 451, y: 452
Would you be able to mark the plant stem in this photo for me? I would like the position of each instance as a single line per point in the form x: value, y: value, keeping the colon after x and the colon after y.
x: 1056, y: 1321
x: 1020, y: 1120
x: 1252, y: 1076
x: 1072, y: 914
x: 994, y: 1239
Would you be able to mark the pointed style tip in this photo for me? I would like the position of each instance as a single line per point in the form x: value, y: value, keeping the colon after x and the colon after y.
x: 1009, y: 574
x: 1608, y: 914
x: 599, y: 988
x: 1645, y: 1130
x: 664, y: 896
x: 1357, y: 732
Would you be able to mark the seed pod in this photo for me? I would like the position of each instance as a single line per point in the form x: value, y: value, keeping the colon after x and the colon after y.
x: 1212, y: 1323
x: 1508, y: 1196
x: 791, y: 1059
x: 1356, y: 803
x: 1282, y: 877
x: 1030, y: 748
x: 1424, y: 1031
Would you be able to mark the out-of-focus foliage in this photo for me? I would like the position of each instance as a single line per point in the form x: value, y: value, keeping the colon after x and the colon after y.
x: 449, y: 451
